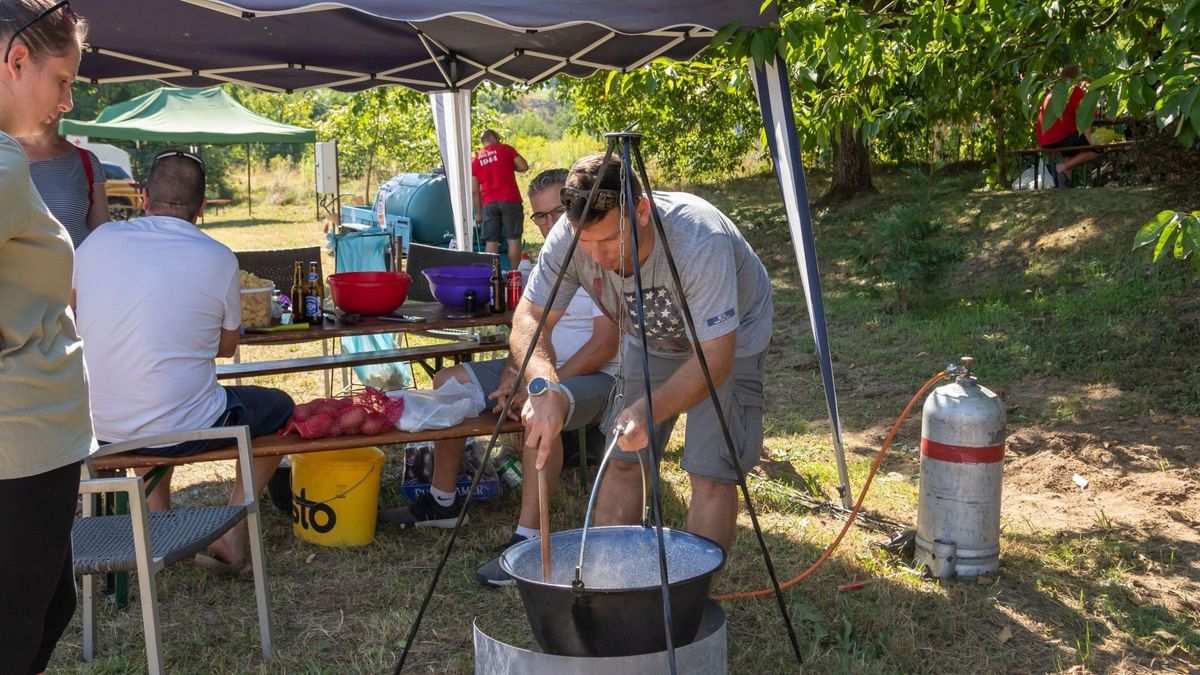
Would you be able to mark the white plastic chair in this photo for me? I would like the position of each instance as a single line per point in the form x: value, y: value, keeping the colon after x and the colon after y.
x: 145, y: 542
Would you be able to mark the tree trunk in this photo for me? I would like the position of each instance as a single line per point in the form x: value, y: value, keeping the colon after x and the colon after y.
x: 998, y: 118
x: 851, y: 167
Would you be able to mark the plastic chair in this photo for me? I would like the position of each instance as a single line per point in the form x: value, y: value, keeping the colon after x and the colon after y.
x: 277, y: 264
x: 147, y: 542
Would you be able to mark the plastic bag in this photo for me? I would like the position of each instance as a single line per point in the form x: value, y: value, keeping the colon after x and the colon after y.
x: 439, y: 408
x: 1028, y: 179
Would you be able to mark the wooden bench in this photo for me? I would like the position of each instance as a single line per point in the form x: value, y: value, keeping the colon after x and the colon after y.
x: 456, y: 351
x: 273, y: 445
x: 216, y: 204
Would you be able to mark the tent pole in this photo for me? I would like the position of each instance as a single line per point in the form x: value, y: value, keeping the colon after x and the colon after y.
x: 249, y: 198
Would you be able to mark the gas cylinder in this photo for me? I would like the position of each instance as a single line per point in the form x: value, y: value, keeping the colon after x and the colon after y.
x: 962, y: 464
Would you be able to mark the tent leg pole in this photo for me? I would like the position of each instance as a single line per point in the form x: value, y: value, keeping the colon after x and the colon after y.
x: 249, y: 198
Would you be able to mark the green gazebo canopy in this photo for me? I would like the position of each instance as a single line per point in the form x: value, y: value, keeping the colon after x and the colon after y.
x: 193, y: 116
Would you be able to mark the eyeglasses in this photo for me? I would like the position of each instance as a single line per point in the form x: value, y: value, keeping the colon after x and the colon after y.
x: 552, y: 214
x: 574, y: 199
x: 179, y: 153
x: 65, y: 6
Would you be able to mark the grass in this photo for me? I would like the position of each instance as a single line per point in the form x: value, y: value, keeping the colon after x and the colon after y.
x: 1046, y: 291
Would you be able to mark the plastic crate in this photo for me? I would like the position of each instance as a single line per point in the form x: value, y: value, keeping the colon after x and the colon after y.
x: 413, y: 488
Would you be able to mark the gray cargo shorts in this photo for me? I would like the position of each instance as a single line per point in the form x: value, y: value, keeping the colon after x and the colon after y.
x: 705, y: 453
x: 587, y: 393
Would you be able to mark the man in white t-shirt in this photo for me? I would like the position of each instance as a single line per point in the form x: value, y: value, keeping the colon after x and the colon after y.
x: 157, y: 301
x: 584, y: 343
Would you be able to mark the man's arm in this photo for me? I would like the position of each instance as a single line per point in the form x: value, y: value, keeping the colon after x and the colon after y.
x: 594, y: 353
x: 229, y: 343
x: 477, y: 199
x: 519, y: 163
x: 683, y: 390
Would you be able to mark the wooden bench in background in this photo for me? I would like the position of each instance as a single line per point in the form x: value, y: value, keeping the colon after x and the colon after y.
x: 273, y: 445
x: 1048, y: 152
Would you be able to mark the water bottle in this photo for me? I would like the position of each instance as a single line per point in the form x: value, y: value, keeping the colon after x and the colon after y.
x: 525, y: 267
x: 508, y: 468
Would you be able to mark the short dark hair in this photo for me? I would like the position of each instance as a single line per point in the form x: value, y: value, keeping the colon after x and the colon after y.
x: 489, y: 133
x: 176, y: 186
x: 583, y: 175
x: 546, y: 180
x: 53, y: 33
x: 1071, y: 71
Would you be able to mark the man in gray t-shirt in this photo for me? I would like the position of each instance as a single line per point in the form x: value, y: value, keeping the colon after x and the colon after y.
x: 729, y: 295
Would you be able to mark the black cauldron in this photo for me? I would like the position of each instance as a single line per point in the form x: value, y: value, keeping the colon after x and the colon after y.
x: 618, y: 611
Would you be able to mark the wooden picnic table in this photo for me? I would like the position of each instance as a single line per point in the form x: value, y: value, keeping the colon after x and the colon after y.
x: 436, y: 317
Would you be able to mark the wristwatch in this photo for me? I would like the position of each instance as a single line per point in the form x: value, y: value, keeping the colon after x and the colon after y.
x: 540, y: 385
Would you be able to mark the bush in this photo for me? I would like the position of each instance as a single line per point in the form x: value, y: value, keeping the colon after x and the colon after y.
x: 905, y: 249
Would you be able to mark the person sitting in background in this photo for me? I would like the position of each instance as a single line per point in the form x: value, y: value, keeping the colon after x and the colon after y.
x: 584, y: 343
x: 69, y: 179
x: 1064, y: 133
x: 157, y: 301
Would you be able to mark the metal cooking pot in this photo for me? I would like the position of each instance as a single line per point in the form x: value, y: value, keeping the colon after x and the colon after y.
x: 618, y: 611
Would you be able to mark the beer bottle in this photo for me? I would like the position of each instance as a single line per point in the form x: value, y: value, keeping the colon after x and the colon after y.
x: 497, y: 305
x: 297, y: 293
x: 316, y: 288
x: 316, y: 293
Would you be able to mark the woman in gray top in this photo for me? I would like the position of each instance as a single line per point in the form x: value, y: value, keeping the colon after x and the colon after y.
x: 45, y: 427
x: 63, y: 181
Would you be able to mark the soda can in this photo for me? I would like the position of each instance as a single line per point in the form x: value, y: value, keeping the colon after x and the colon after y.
x: 513, y: 289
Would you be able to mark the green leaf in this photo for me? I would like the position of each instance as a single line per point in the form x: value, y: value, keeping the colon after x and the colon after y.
x: 1150, y: 231
x: 1164, y: 240
x: 1058, y: 102
x: 1105, y: 80
x: 723, y: 35
x: 1086, y: 110
x: 764, y: 6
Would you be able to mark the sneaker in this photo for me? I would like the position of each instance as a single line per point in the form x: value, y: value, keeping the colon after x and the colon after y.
x: 492, y: 574
x: 425, y: 512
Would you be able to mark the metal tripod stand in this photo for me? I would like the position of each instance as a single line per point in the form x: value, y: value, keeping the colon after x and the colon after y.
x: 627, y: 144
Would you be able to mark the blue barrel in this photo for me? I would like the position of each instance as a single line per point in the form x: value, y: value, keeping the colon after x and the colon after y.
x: 423, y: 198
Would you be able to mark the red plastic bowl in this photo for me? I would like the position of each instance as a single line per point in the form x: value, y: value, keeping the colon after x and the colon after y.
x: 369, y: 292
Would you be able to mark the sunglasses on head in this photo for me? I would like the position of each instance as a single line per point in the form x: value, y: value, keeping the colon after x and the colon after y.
x: 574, y: 199
x: 65, y: 6
x: 179, y: 153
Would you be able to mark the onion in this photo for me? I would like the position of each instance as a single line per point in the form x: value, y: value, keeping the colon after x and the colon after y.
x: 376, y: 423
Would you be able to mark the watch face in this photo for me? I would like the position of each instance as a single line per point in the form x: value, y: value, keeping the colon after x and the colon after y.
x: 537, y: 386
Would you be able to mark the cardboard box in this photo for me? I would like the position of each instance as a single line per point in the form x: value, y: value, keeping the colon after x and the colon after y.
x: 412, y: 488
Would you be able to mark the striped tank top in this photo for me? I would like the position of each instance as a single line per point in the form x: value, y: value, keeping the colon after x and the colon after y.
x: 62, y: 182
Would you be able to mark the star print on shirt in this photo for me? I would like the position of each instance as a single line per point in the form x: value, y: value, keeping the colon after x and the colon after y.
x: 663, y: 321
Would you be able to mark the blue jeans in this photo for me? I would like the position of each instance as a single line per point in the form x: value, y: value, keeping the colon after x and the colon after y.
x: 262, y: 409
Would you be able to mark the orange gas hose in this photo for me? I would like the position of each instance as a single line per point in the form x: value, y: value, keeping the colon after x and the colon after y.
x: 887, y: 443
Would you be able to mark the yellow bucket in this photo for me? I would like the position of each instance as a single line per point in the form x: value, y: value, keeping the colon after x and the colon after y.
x: 335, y: 496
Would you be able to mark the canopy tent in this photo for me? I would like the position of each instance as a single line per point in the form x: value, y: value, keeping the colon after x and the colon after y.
x: 447, y: 48
x: 192, y: 116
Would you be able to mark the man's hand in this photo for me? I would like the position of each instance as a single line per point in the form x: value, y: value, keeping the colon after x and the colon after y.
x: 636, y: 434
x: 502, y: 390
x: 543, y: 417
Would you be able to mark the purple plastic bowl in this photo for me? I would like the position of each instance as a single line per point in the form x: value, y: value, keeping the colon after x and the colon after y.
x: 450, y: 284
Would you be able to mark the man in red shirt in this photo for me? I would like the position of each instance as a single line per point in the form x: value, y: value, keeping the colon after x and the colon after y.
x: 1063, y: 133
x: 497, y: 198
